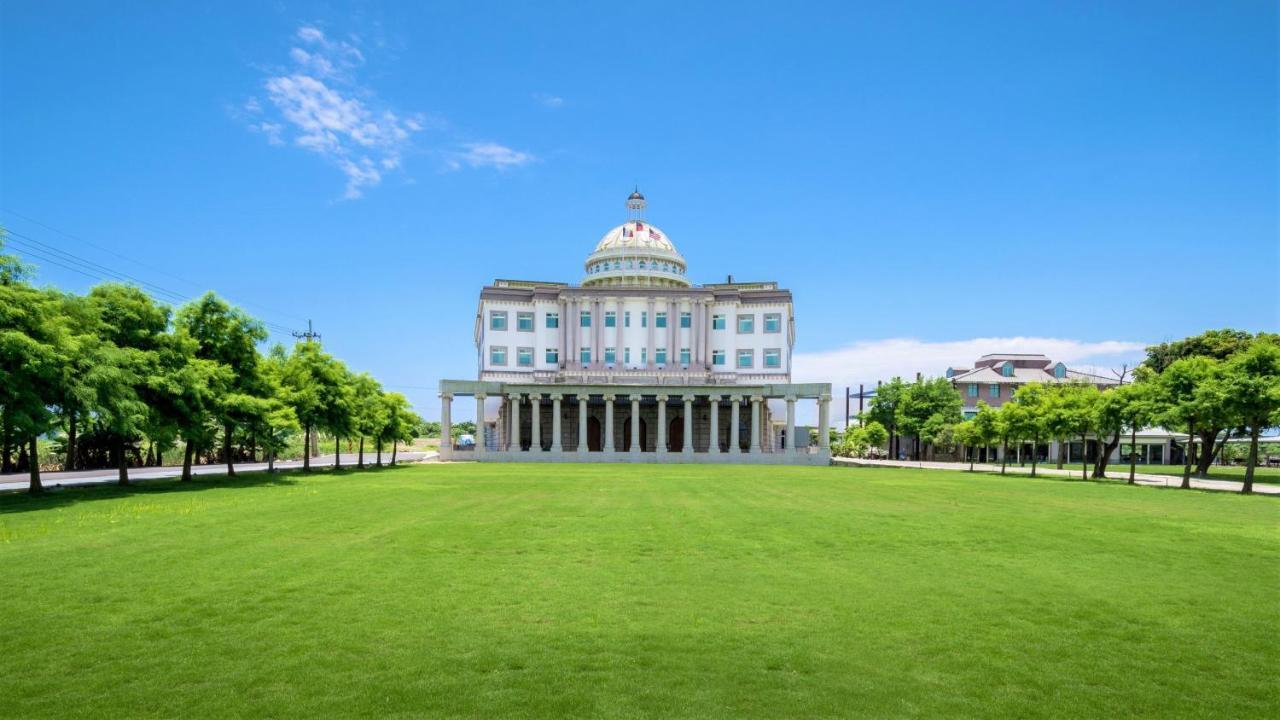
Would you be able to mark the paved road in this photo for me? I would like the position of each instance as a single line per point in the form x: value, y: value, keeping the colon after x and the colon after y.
x: 20, y: 481
x: 1114, y: 474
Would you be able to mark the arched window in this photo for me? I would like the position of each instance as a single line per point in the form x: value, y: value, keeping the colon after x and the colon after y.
x: 1007, y: 370
x: 1060, y: 371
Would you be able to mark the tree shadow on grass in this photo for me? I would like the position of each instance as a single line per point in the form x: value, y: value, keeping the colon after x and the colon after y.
x: 1174, y: 485
x: 55, y: 496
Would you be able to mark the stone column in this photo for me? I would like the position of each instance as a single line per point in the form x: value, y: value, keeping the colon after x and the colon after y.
x: 754, y: 447
x: 582, y: 425
x: 635, y: 423
x: 714, y: 447
x: 535, y: 422
x: 687, y: 450
x: 662, y: 425
x: 446, y: 426
x: 480, y: 448
x: 650, y: 322
x: 607, y: 445
x: 556, y: 445
x: 792, y: 445
x: 734, y: 432
x: 514, y: 405
x: 824, y: 421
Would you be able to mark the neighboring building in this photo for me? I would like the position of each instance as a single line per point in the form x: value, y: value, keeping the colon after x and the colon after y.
x: 993, y: 378
x: 637, y: 363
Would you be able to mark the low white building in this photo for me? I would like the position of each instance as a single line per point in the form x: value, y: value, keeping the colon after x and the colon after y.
x: 637, y: 363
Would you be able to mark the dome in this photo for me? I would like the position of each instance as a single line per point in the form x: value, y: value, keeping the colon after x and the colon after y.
x: 636, y: 253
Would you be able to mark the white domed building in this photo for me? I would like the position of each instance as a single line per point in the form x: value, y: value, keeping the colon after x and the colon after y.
x: 636, y: 364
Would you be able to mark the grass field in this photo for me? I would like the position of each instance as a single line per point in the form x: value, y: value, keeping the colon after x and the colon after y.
x: 1216, y: 472
x: 639, y: 591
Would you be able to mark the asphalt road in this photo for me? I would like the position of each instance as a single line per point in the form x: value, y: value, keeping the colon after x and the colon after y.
x: 20, y: 481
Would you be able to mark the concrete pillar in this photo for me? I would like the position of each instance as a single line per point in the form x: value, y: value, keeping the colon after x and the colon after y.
x: 754, y: 447
x: 651, y: 321
x: 635, y: 423
x: 480, y: 448
x: 824, y: 421
x: 714, y: 447
x: 582, y: 425
x: 535, y: 422
x: 662, y: 425
x: 792, y: 445
x: 513, y: 403
x: 687, y: 450
x: 556, y: 445
x: 569, y: 326
x: 607, y: 445
x: 734, y: 432
x: 446, y: 426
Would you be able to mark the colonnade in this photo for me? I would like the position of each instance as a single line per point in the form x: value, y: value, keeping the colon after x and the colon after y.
x: 574, y: 337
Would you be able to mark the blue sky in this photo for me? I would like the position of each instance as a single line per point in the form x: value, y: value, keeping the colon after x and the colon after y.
x: 932, y: 180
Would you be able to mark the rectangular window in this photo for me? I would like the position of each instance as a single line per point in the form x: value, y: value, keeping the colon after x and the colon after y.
x: 611, y: 355
x: 626, y: 355
x: 553, y: 321
x: 524, y: 321
x: 584, y: 318
x: 773, y: 322
x: 746, y: 324
x: 660, y: 320
x: 584, y: 356
x: 685, y: 356
x: 717, y: 357
x: 610, y: 318
x: 553, y: 356
x: 746, y: 358
x: 993, y: 390
x: 773, y: 357
x: 973, y: 389
x: 524, y: 357
x: 497, y: 355
x: 497, y: 319
x: 644, y: 356
x: 626, y: 319
x: 644, y: 318
x: 660, y: 356
x: 686, y: 320
x: 717, y: 322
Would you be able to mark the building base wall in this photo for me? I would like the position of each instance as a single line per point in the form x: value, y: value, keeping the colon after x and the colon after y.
x: 817, y: 457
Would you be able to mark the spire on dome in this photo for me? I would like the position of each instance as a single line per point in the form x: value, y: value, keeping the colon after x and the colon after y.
x: 635, y: 205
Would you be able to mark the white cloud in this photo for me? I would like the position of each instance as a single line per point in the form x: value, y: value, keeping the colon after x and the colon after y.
x: 549, y: 101
x: 310, y: 34
x: 488, y: 154
x: 872, y: 360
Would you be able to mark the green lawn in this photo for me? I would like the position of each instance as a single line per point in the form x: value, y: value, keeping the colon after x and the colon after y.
x: 1216, y: 472
x: 639, y: 591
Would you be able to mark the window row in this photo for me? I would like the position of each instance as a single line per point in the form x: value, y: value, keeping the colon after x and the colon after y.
x: 771, y: 357
x: 993, y: 390
x: 525, y: 320
x: 611, y: 265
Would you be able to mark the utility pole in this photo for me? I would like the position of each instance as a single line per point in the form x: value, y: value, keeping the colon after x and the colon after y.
x: 309, y: 335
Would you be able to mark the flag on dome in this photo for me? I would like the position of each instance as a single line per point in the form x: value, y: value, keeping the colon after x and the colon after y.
x: 639, y: 225
x: 626, y: 232
x: 653, y: 235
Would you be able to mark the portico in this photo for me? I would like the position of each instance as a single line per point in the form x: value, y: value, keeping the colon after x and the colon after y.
x: 654, y: 423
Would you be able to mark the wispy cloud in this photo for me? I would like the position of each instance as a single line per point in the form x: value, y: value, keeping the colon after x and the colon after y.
x: 488, y: 154
x: 872, y: 360
x: 549, y: 101
x: 318, y: 103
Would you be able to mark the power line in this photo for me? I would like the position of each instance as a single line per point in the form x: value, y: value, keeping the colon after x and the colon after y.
x: 138, y: 262
x: 70, y: 261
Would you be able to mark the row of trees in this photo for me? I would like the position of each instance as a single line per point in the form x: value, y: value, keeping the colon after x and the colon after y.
x: 1215, y: 386
x: 113, y: 369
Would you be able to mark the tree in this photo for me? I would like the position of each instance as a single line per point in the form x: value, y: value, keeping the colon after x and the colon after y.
x: 1137, y: 411
x: 227, y: 336
x: 370, y: 410
x: 966, y: 435
x: 1033, y: 401
x: 313, y: 384
x: 986, y: 427
x: 278, y: 423
x: 1188, y: 392
x: 1251, y: 381
x: 876, y: 434
x: 884, y: 410
x: 32, y: 362
x: 925, y: 407
x: 401, y: 424
x: 1006, y: 428
x: 1075, y: 406
x: 1216, y: 345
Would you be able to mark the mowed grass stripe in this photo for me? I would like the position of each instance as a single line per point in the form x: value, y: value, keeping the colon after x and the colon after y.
x: 639, y: 591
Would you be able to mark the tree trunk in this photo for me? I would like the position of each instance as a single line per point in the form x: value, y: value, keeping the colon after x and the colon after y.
x: 1210, y: 447
x: 1035, y: 454
x: 306, y: 452
x: 1252, y: 462
x: 1004, y: 457
x: 186, y: 460
x: 226, y: 449
x: 122, y: 461
x: 1104, y: 455
x: 271, y: 459
x: 1186, y: 465
x: 70, y: 462
x: 394, y: 447
x: 379, y: 452
x: 1084, y: 456
x: 253, y: 449
x: 360, y: 459
x: 1133, y: 452
x: 314, y: 444
x: 1062, y: 452
x: 337, y: 452
x: 35, y: 488
x: 972, y: 452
